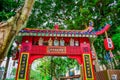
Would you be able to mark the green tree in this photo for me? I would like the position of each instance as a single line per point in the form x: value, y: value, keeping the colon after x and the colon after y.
x: 10, y: 28
x: 54, y: 67
x: 8, y: 8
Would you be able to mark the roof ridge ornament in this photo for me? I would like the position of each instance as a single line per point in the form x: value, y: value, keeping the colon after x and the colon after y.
x: 56, y: 27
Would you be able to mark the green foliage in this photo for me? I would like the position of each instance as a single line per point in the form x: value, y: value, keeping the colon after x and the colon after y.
x: 8, y: 8
x: 35, y: 75
x: 14, y: 71
x: 54, y: 66
x: 116, y: 40
x: 118, y: 66
x: 73, y: 14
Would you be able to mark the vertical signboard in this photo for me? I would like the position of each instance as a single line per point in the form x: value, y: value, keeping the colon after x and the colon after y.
x: 88, y: 67
x: 23, y: 66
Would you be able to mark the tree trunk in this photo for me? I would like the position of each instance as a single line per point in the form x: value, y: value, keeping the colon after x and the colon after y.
x: 6, y: 68
x: 10, y: 28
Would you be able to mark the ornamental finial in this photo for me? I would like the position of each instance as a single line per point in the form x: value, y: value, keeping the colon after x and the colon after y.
x: 56, y: 27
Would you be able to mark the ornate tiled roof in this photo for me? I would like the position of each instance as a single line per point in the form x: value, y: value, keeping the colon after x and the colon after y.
x: 62, y: 33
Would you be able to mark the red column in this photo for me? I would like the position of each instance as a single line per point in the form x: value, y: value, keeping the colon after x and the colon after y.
x: 88, y: 71
x: 23, y: 63
x: 23, y: 66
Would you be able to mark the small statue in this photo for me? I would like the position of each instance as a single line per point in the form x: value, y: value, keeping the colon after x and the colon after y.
x: 40, y: 42
x: 56, y: 27
x: 91, y: 24
x: 62, y: 42
x: 26, y: 41
x: 50, y: 42
x: 76, y: 43
x: 71, y: 42
x: 89, y: 28
x: 56, y: 42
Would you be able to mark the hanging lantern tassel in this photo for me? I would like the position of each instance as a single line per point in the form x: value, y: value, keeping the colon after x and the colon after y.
x: 111, y: 54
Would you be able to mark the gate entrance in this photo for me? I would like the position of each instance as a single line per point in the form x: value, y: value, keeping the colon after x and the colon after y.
x: 74, y: 44
x: 47, y: 68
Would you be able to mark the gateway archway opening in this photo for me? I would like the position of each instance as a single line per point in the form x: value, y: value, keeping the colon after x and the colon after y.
x: 54, y: 68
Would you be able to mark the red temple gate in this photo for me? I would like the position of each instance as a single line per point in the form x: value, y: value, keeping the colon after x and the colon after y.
x: 72, y: 43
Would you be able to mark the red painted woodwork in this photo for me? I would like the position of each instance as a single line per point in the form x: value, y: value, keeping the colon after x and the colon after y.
x: 26, y: 47
x: 70, y: 50
x: 103, y: 30
x: 32, y: 50
x: 35, y: 51
x: 85, y: 45
x: 30, y: 39
x: 78, y: 58
x: 56, y: 27
x: 108, y: 44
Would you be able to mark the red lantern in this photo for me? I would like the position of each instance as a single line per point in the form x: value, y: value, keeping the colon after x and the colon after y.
x: 108, y: 44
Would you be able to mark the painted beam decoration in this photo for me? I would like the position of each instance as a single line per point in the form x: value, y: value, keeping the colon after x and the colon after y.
x: 23, y: 66
x: 106, y: 27
x: 88, y: 67
x: 54, y: 33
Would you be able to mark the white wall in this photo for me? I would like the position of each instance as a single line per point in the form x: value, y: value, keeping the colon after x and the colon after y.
x: 10, y: 67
